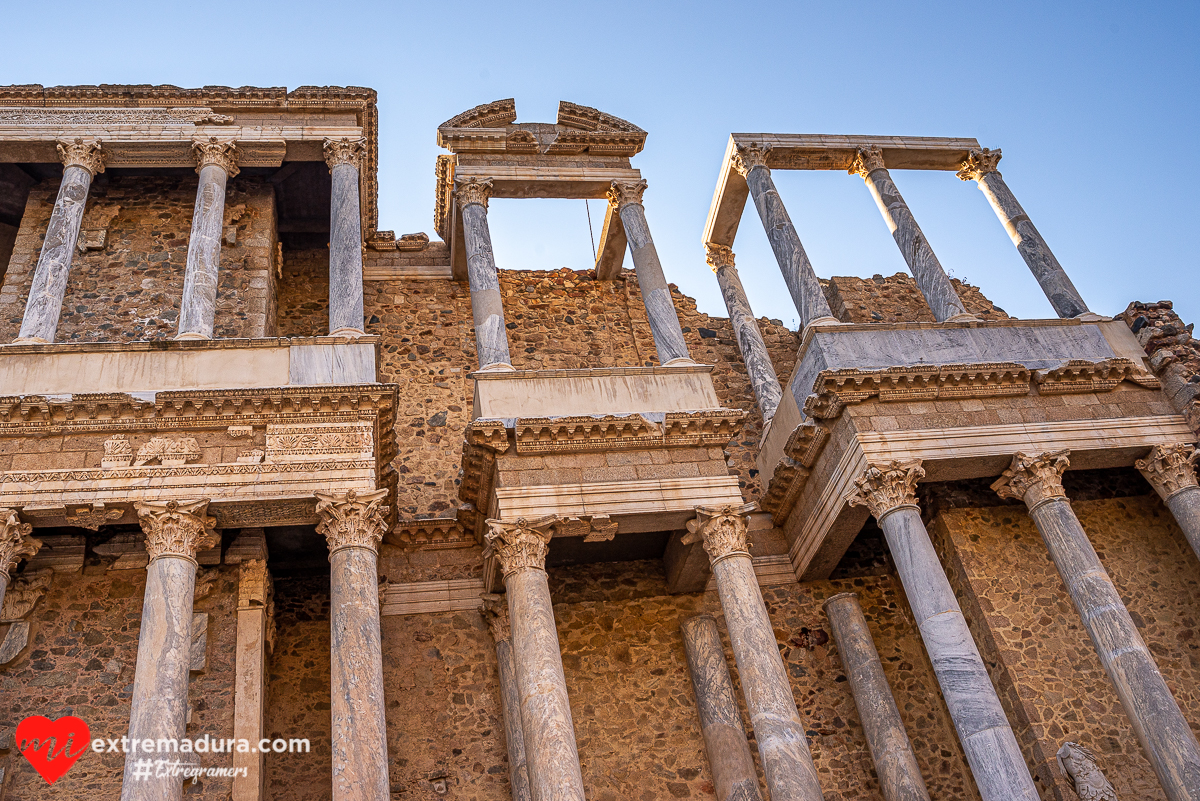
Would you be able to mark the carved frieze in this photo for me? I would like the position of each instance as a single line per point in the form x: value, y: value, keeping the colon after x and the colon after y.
x: 1035, y: 478
x: 118, y: 452
x: 443, y: 171
x: 432, y: 534
x: 978, y: 164
x: 167, y: 451
x: 723, y: 531
x: 1170, y: 468
x: 521, y: 545
x: 176, y: 529
x: 93, y: 517
x: 23, y: 593
x: 835, y: 389
x: 308, y: 442
x: 885, y: 488
x: 352, y: 519
x: 594, y: 528
x: 104, y: 117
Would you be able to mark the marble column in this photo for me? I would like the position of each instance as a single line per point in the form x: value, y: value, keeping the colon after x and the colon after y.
x: 980, y: 166
x: 729, y: 756
x: 931, y: 279
x: 626, y: 199
x: 255, y: 633
x: 895, y: 763
x: 1000, y: 772
x: 751, y: 162
x: 216, y: 161
x: 552, y: 759
x: 495, y: 614
x: 353, y: 525
x: 762, y: 375
x: 1170, y: 469
x: 491, y: 337
x: 344, y: 158
x: 82, y: 159
x: 175, y: 531
x: 15, y: 545
x: 778, y: 729
x: 1164, y: 733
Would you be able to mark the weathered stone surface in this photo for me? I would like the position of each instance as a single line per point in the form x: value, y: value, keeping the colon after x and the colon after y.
x: 345, y: 253
x: 198, y: 307
x: 491, y: 337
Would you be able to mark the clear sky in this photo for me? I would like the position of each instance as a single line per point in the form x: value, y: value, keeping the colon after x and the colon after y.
x: 1094, y: 104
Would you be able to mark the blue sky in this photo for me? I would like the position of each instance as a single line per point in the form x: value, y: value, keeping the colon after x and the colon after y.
x: 1095, y: 107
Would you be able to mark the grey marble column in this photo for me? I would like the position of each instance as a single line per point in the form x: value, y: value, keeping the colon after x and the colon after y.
x: 724, y: 739
x: 1170, y: 470
x: 798, y: 273
x: 495, y: 613
x: 778, y: 729
x: 552, y: 759
x: 175, y: 531
x: 15, y: 545
x: 762, y: 375
x: 344, y: 158
x: 487, y: 309
x: 353, y: 525
x: 1161, y: 728
x: 980, y: 166
x: 626, y: 198
x: 1000, y: 772
x: 216, y: 163
x: 931, y: 279
x: 895, y: 763
x: 82, y: 159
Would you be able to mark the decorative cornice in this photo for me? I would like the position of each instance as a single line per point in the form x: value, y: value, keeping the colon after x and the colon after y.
x: 791, y: 474
x: 1080, y: 375
x: 886, y: 488
x: 623, y: 193
x: 1170, y: 469
x: 223, y: 154
x: 1034, y: 479
x: 586, y: 118
x: 495, y: 614
x: 472, y: 190
x: 15, y: 542
x: 866, y: 160
x: 84, y: 153
x: 496, y: 114
x: 176, y: 528
x: 978, y: 164
x: 352, y: 519
x: 747, y: 157
x: 833, y: 390
x: 722, y: 530
x: 718, y: 256
x: 344, y: 151
x: 521, y: 545
x: 585, y: 433
x: 443, y: 171
x: 432, y: 534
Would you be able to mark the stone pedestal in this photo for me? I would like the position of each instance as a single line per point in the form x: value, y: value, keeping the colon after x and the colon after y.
x: 82, y: 160
x: 255, y: 633
x: 778, y: 729
x: 1170, y: 469
x: 895, y: 763
x: 495, y: 613
x: 216, y: 163
x: 15, y: 545
x: 344, y: 158
x: 1160, y: 726
x: 1000, y: 772
x: 550, y: 752
x: 487, y: 310
x: 175, y: 531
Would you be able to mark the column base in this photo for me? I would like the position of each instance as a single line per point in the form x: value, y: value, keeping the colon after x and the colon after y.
x: 962, y: 318
x: 348, y: 333
x: 190, y: 335
x: 682, y: 361
x: 1092, y: 317
x: 497, y: 367
x: 824, y: 322
x: 30, y: 341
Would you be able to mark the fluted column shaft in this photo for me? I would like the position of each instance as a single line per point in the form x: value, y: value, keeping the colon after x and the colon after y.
x: 487, y: 308
x: 15, y: 545
x: 1170, y: 470
x: 496, y: 614
x: 895, y: 763
x: 198, y: 309
x: 344, y: 159
x: 1164, y: 733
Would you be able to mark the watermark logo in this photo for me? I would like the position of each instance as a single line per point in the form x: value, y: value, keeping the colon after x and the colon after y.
x: 49, y: 745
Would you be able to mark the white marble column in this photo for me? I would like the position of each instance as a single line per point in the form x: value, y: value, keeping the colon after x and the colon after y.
x: 761, y: 372
x: 895, y: 763
x: 15, y: 545
x: 344, y: 158
x: 1164, y: 733
x: 931, y: 279
x: 1170, y: 469
x: 495, y: 614
x: 216, y: 161
x: 487, y: 308
x: 353, y: 525
x: 175, y: 531
x: 778, y: 729
x: 751, y: 162
x: 980, y: 166
x: 551, y: 756
x: 255, y: 633
x: 1000, y: 772
x: 82, y: 159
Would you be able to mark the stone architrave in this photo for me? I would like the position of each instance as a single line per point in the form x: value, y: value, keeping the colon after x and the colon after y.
x: 15, y: 545
x: 751, y: 162
x: 778, y: 730
x: 1171, y: 470
x: 487, y: 308
x: 216, y: 161
x: 254, y: 614
x: 82, y: 159
x: 551, y: 756
x: 625, y: 197
x: 1000, y: 772
x: 353, y: 525
x: 495, y: 614
x: 980, y: 166
x: 1161, y: 728
x: 344, y: 158
x: 931, y: 279
x: 175, y: 531
x: 763, y: 379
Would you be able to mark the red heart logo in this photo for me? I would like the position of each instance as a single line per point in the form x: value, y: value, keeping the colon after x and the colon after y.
x: 47, y: 743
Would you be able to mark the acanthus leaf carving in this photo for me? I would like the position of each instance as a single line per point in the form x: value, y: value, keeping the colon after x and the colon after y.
x: 218, y: 153
x: 718, y: 256
x: 1170, y: 468
x: 472, y: 190
x: 15, y: 542
x: 176, y: 528
x: 885, y: 488
x: 750, y: 157
x: 168, y: 451
x: 86, y: 153
x: 344, y: 151
x: 1035, y: 478
x: 23, y: 594
x: 866, y: 160
x: 979, y: 163
x: 623, y: 193
x: 520, y: 545
x: 352, y: 519
x: 723, y: 531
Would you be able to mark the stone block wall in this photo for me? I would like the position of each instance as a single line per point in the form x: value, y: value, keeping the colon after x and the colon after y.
x: 896, y: 299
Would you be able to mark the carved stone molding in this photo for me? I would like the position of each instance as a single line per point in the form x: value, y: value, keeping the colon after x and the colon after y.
x: 344, y: 151
x: 594, y: 528
x: 622, y: 193
x: 352, y: 519
x: 886, y: 488
x: 589, y: 433
x: 223, y: 154
x: 472, y: 190
x: 833, y: 390
x: 1034, y: 479
x: 496, y: 114
x: 176, y: 528
x: 1079, y: 375
x: 520, y: 545
x: 747, y: 157
x: 1170, y: 468
x: 84, y: 153
x: 495, y: 614
x: 978, y: 164
x: 718, y: 256
x: 791, y: 474
x: 1080, y: 766
x: 15, y: 542
x: 866, y: 160
x: 111, y: 116
x: 437, y: 533
x: 722, y: 530
x: 167, y: 451
x: 24, y: 593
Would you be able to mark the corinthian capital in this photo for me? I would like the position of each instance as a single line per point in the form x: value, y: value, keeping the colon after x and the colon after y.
x: 215, y: 152
x: 519, y: 545
x: 622, y: 193
x: 721, y: 529
x: 472, y: 190
x: 495, y: 614
x: 747, y: 157
x: 1170, y: 468
x: 176, y: 528
x: 84, y: 153
x: 718, y: 256
x: 865, y: 160
x: 345, y: 151
x: 886, y: 488
x: 1034, y: 478
x: 15, y: 542
x: 352, y: 519
x: 978, y: 164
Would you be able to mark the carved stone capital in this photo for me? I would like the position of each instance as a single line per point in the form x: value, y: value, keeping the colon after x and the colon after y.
x: 622, y: 193
x: 15, y: 542
x: 472, y: 190
x: 747, y: 157
x: 886, y: 488
x: 176, y: 528
x: 495, y: 614
x: 718, y: 256
x: 1170, y: 468
x: 978, y: 164
x: 1083, y: 769
x: 352, y: 519
x: 1035, y: 478
x: 722, y: 530
x: 345, y: 151
x: 519, y: 545
x: 216, y: 152
x: 866, y: 160
x: 84, y: 153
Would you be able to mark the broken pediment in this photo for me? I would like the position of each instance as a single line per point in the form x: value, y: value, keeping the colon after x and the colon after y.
x: 492, y: 127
